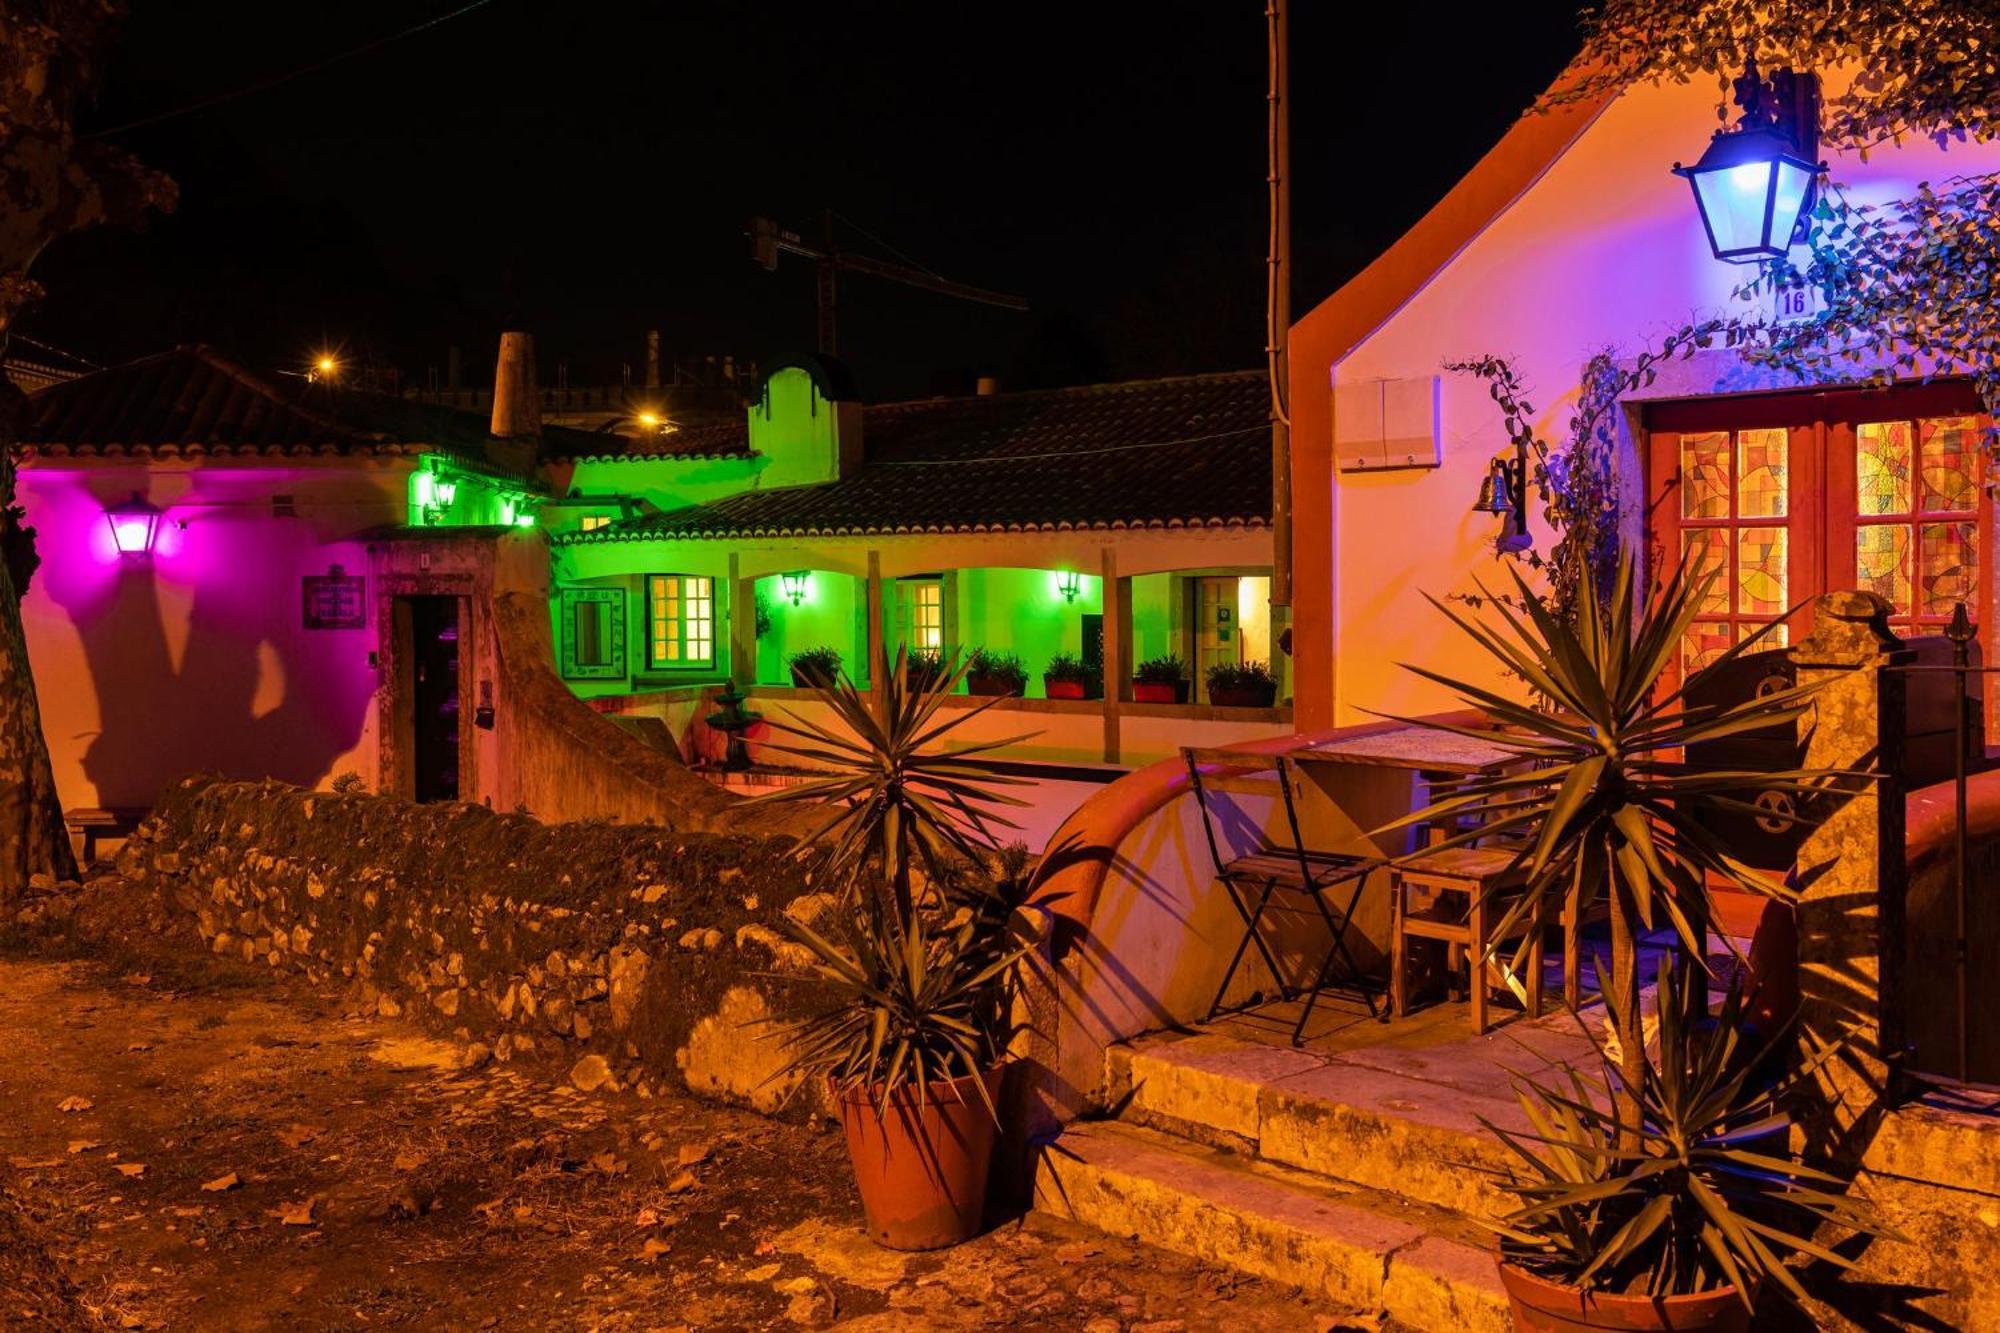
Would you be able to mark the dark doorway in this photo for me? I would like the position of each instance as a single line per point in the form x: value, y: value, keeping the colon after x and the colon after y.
x: 433, y: 695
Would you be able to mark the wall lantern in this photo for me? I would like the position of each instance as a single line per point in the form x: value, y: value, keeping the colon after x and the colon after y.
x: 446, y: 491
x: 1503, y: 492
x: 134, y: 524
x: 1757, y: 182
x: 794, y: 585
x: 1069, y: 583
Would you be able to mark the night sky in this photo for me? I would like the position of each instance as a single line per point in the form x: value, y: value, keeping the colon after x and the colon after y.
x: 585, y: 169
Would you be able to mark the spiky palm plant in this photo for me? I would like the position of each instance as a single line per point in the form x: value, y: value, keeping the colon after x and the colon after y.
x: 1704, y: 1198
x: 1602, y: 803
x: 919, y: 979
x: 897, y: 792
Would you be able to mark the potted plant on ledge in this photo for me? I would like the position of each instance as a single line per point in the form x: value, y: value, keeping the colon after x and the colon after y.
x: 1160, y: 680
x: 990, y: 673
x: 918, y: 971
x: 1242, y: 685
x: 815, y: 668
x: 1683, y: 1228
x: 1067, y: 676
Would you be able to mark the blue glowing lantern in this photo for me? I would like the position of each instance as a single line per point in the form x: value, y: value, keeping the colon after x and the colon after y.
x: 1756, y: 183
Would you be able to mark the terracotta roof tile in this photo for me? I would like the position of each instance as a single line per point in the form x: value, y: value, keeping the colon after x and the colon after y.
x: 1186, y: 452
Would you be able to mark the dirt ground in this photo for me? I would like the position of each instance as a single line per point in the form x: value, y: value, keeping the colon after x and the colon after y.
x: 210, y: 1147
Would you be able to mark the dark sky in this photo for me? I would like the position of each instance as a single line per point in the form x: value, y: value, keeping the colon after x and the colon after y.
x: 585, y: 168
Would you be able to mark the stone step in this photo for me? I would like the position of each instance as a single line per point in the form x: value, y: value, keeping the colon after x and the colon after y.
x: 1401, y: 1120
x: 1424, y: 1269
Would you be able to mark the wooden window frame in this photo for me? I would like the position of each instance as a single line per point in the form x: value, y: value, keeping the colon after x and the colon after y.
x: 658, y: 616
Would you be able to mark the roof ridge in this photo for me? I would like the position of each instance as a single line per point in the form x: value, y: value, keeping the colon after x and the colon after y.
x: 256, y: 383
x: 1107, y: 386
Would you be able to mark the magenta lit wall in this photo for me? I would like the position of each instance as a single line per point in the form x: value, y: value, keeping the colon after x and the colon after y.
x: 195, y: 658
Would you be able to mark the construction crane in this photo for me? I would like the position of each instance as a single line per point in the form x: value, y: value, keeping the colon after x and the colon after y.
x: 768, y: 240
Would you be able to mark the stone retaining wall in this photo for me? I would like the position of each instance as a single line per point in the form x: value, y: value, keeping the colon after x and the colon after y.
x: 641, y: 956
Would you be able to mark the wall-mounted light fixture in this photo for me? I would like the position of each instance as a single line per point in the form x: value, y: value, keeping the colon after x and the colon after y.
x: 1069, y: 583
x: 1756, y: 183
x: 134, y: 524
x: 795, y: 585
x: 1503, y: 492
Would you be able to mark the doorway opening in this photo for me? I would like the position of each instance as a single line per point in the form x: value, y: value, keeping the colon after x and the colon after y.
x: 428, y: 630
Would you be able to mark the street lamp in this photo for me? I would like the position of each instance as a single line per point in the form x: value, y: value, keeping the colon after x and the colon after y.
x: 1756, y: 183
x: 133, y: 526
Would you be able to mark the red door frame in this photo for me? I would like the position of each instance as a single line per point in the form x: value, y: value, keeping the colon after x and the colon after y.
x: 1821, y: 486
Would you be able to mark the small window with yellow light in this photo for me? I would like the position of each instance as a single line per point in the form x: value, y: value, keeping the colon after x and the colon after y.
x: 681, y: 620
x: 592, y: 522
x: 922, y: 613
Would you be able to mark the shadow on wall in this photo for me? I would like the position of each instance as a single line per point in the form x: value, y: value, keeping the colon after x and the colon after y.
x: 194, y: 660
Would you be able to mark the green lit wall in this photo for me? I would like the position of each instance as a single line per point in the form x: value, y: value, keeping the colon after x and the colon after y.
x: 667, y: 483
x: 1022, y: 611
x: 1156, y: 618
x: 826, y: 617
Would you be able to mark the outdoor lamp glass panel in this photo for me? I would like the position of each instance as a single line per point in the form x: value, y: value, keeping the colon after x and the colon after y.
x: 446, y: 491
x: 1752, y: 188
x: 795, y: 586
x: 1069, y: 583
x: 133, y: 525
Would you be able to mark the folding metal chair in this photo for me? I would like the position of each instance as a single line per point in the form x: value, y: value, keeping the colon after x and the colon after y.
x: 1253, y: 879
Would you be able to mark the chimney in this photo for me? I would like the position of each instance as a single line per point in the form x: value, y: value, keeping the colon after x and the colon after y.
x: 986, y: 386
x: 652, y: 358
x: 517, y: 404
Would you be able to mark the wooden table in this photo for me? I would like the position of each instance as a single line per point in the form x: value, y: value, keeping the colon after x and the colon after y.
x: 1416, y: 748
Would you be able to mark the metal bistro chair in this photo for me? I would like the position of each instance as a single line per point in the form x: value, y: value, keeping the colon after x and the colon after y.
x: 1254, y: 879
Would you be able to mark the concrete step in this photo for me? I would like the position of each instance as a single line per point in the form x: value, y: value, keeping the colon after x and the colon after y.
x: 1362, y: 1250
x: 1401, y: 1120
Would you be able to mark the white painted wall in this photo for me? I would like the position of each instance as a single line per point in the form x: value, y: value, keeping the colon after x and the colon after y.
x: 1605, y: 249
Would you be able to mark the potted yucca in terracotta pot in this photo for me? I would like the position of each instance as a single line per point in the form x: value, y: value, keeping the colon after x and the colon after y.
x: 917, y: 970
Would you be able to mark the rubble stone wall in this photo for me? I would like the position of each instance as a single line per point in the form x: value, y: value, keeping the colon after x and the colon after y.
x: 638, y: 956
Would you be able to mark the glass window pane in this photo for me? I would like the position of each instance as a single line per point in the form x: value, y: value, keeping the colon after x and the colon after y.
x: 1761, y: 459
x: 1882, y: 562
x: 1705, y: 475
x: 1705, y: 552
x: 1948, y: 567
x: 1882, y: 467
x: 1949, y: 452
x: 1762, y: 581
x: 1779, y: 636
x: 1703, y: 643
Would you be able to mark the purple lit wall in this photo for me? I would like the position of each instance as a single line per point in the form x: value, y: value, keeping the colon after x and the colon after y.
x: 196, y: 657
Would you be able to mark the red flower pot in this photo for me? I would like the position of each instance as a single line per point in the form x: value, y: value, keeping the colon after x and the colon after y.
x: 921, y: 1164
x: 1243, y: 696
x: 1159, y: 691
x: 1062, y: 689
x: 990, y: 686
x: 1542, y: 1306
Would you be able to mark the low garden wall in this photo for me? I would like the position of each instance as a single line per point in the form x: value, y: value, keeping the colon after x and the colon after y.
x: 636, y: 956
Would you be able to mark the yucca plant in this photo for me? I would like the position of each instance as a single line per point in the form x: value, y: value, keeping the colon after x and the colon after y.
x: 897, y: 792
x: 919, y: 974
x: 1707, y: 1197
x: 1602, y: 804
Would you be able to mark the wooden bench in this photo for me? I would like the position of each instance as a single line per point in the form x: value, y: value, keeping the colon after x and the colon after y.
x: 87, y: 824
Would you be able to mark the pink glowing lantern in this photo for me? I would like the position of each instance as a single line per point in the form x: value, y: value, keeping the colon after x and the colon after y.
x: 133, y: 526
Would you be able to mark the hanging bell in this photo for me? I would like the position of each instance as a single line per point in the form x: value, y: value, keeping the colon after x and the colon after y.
x: 1495, y: 491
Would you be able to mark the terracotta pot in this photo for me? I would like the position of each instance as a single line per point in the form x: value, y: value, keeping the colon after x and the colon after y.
x: 991, y: 685
x: 921, y: 1165
x: 1062, y: 689
x: 1159, y: 691
x: 1542, y: 1306
x: 1243, y: 696
x: 803, y: 679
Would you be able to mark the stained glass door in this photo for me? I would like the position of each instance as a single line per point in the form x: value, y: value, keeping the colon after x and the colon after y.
x: 1913, y: 521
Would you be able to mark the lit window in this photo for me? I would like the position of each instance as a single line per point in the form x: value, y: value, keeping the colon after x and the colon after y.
x: 682, y: 620
x: 923, y: 613
x: 592, y: 522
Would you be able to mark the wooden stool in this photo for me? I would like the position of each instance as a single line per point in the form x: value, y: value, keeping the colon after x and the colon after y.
x: 1478, y: 873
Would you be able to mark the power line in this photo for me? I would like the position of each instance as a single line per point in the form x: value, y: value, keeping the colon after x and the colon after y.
x: 263, y: 85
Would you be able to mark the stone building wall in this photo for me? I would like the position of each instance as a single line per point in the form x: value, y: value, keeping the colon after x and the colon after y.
x: 639, y: 956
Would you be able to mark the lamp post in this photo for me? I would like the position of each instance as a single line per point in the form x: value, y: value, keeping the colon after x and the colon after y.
x: 1756, y: 183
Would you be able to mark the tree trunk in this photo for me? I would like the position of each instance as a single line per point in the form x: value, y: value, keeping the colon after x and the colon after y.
x: 32, y: 838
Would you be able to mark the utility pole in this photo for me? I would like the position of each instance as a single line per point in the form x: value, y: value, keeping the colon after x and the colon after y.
x: 1278, y: 303
x: 768, y: 240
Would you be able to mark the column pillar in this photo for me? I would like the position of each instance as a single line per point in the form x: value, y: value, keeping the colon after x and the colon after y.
x: 742, y: 625
x: 1117, y: 648
x: 1850, y: 867
x: 878, y: 666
